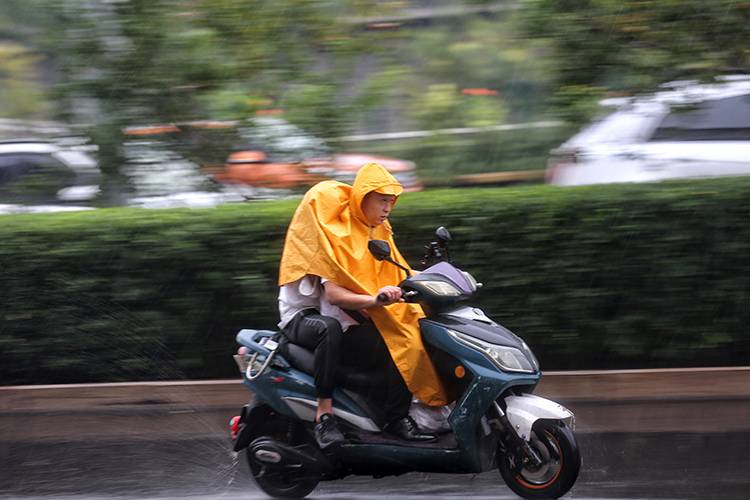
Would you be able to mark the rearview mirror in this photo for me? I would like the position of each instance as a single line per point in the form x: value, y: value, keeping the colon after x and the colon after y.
x: 442, y: 235
x: 380, y: 249
x: 437, y: 250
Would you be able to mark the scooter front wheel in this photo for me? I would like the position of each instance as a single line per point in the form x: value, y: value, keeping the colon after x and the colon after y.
x: 556, y: 445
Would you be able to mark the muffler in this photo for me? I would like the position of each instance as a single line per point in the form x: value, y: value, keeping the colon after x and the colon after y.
x: 268, y: 452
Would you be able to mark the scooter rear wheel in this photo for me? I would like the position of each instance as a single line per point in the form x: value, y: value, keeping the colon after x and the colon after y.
x: 556, y: 445
x: 274, y: 482
x: 281, y: 484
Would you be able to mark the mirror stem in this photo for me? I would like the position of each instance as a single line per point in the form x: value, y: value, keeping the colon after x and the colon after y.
x: 408, y: 274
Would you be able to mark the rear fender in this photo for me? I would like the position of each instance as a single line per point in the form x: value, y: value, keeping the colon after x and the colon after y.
x: 249, y: 418
x: 523, y: 411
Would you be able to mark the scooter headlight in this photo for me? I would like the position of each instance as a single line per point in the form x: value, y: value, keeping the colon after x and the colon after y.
x: 506, y: 358
x: 530, y: 355
x: 442, y: 288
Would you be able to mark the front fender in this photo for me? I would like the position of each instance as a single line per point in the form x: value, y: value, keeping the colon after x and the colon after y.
x: 523, y: 411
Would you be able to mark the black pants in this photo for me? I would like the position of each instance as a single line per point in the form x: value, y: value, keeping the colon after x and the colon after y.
x: 360, y: 348
x: 322, y: 335
x: 363, y: 348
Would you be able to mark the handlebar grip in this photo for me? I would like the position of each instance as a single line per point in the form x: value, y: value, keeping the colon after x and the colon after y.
x: 406, y: 295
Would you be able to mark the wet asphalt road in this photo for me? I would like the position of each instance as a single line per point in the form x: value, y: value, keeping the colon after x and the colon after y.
x: 615, y: 465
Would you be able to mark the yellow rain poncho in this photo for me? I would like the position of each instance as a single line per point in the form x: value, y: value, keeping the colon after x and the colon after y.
x: 328, y: 237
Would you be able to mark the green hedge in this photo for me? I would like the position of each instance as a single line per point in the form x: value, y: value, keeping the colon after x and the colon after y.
x: 596, y: 277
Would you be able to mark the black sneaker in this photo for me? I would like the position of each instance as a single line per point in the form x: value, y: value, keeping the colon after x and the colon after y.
x: 327, y: 432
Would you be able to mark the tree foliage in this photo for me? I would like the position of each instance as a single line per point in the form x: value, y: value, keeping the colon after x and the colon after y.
x: 168, y: 60
x: 22, y: 94
x: 334, y: 70
x: 632, y: 45
x: 138, y: 62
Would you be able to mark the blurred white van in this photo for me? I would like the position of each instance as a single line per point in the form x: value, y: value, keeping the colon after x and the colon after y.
x: 686, y: 130
x: 42, y: 176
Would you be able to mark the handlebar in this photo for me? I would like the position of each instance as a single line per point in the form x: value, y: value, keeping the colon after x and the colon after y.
x: 406, y: 295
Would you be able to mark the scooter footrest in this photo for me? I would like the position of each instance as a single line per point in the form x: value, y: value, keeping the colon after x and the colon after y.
x: 444, y: 441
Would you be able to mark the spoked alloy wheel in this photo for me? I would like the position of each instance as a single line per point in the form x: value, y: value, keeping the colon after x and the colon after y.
x: 276, y: 481
x: 561, y: 461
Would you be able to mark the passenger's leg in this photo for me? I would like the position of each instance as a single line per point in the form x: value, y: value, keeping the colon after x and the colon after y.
x: 322, y: 335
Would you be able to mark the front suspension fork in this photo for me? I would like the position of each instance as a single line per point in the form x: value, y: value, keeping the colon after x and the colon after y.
x: 520, y: 447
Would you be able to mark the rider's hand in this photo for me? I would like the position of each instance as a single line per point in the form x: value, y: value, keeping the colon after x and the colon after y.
x: 388, y: 295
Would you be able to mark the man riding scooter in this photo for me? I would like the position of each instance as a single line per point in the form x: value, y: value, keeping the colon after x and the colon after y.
x: 496, y: 423
x: 337, y: 300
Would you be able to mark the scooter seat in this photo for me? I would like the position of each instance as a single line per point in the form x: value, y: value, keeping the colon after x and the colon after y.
x: 304, y: 360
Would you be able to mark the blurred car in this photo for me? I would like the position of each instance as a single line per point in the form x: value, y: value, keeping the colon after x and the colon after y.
x: 687, y: 130
x: 344, y: 166
x: 253, y: 168
x: 278, y: 154
x: 43, y: 176
x: 265, y: 154
x: 159, y: 177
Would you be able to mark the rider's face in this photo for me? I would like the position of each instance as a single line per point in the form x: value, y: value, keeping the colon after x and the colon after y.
x: 377, y: 207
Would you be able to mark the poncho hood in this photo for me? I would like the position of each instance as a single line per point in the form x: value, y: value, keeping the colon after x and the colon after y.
x: 371, y: 177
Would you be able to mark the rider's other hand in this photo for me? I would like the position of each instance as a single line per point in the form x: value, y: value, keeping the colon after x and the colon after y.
x: 388, y: 295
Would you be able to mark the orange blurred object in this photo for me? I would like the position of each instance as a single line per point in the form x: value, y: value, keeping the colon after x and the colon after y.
x: 385, y: 25
x: 479, y: 91
x: 269, y: 112
x: 151, y: 130
x: 254, y: 169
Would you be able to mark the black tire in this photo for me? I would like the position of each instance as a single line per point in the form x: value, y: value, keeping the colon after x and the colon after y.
x: 556, y: 444
x: 280, y: 483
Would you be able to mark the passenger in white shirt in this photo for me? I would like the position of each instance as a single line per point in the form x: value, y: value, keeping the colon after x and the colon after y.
x: 309, y: 319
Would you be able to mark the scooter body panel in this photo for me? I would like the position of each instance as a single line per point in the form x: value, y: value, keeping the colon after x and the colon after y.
x: 487, y: 385
x: 291, y: 392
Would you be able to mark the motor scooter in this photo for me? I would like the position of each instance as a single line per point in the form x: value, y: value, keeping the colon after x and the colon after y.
x: 496, y: 422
